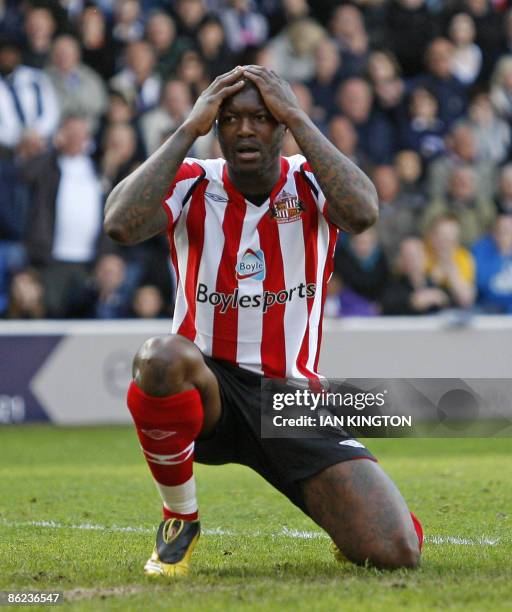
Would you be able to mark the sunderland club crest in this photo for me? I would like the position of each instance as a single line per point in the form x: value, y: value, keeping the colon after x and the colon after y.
x: 286, y: 208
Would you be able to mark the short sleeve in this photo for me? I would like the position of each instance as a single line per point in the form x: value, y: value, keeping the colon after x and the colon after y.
x: 316, y: 190
x: 188, y: 174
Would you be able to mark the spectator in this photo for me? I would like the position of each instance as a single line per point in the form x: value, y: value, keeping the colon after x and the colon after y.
x: 40, y: 27
x: 120, y: 107
x: 27, y: 98
x: 303, y: 93
x: 161, y: 34
x: 410, y: 29
x: 421, y: 129
x: 79, y: 89
x: 244, y: 27
x: 119, y: 157
x: 328, y: 74
x: 304, y: 97
x: 346, y: 26
x: 148, y: 303
x: 289, y: 146
x: 137, y: 79
x: 374, y: 131
x: 412, y: 291
x: 492, y: 134
x: 14, y: 212
x: 467, y: 57
x: 292, y: 10
x: 128, y: 26
x: 439, y: 79
x: 189, y: 16
x: 450, y: 265
x: 342, y: 301
x: 156, y: 125
x: 461, y: 149
x: 362, y: 268
x: 11, y: 22
x: 98, y: 49
x: 105, y: 295
x: 26, y: 299
x: 292, y: 52
x: 397, y: 218
x: 473, y: 213
x: 384, y: 74
x: 213, y: 47
x: 343, y: 136
x: 192, y: 71
x: 504, y: 196
x: 66, y: 221
x: 409, y: 171
x: 493, y: 257
x: 28, y: 118
x: 506, y: 48
x: 501, y: 87
x: 488, y: 31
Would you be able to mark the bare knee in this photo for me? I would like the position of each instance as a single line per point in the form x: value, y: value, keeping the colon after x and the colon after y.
x: 400, y: 550
x: 162, y: 365
x: 363, y: 511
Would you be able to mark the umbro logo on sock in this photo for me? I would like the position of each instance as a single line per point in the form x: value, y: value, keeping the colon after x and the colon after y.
x: 158, y: 434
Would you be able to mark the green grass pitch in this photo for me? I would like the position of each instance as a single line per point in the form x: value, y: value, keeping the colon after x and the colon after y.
x: 67, y: 495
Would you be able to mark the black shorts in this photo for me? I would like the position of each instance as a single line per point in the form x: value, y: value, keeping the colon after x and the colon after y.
x: 283, y: 462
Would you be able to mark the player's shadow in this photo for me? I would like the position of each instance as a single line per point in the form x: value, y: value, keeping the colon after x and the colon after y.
x: 274, y: 570
x: 289, y: 570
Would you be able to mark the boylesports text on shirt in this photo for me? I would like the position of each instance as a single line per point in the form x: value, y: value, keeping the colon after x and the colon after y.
x: 265, y: 300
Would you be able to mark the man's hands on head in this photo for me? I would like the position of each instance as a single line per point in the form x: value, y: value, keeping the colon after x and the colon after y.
x: 207, y: 106
x: 276, y: 93
x: 352, y: 202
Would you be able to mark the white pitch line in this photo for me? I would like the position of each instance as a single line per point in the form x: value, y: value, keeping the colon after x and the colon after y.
x: 218, y: 531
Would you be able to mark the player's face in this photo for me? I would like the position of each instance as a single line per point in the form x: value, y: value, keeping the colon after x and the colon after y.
x: 249, y: 136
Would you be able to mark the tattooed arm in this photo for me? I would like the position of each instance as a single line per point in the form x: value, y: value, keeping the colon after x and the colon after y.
x: 352, y: 202
x: 133, y: 211
x: 351, y: 196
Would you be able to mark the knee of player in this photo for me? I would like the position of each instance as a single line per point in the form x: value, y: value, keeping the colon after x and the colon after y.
x: 161, y: 364
x: 406, y: 552
x: 401, y: 550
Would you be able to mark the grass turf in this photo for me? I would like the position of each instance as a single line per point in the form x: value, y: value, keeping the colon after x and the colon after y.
x: 96, y: 477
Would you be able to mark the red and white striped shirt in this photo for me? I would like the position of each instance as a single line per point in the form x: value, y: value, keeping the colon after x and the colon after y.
x: 251, y: 279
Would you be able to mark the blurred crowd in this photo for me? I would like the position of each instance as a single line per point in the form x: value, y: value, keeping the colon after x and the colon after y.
x: 416, y: 92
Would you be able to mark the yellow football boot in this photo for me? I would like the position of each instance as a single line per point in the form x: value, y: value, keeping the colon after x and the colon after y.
x: 338, y: 555
x: 175, y: 543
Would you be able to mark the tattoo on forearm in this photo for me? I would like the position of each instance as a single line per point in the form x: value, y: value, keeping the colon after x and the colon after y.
x: 351, y: 196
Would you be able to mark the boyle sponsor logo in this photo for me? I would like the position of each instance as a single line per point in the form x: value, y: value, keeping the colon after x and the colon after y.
x: 252, y: 265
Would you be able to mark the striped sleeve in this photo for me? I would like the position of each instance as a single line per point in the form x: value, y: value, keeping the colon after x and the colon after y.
x: 179, y: 192
x: 317, y: 192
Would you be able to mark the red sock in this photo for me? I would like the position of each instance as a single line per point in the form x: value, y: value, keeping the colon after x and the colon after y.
x: 167, y: 427
x: 419, y: 530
